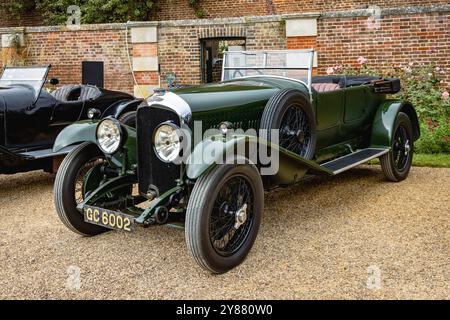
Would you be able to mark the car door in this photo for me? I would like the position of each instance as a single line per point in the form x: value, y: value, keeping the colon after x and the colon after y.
x: 329, y: 111
x: 66, y: 112
x: 27, y: 123
x: 356, y: 112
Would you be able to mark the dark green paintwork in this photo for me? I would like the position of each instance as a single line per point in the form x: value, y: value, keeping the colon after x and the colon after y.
x: 85, y: 131
x: 344, y: 117
x: 347, y: 120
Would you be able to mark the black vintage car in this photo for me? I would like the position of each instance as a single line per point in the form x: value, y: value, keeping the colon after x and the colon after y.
x: 31, y: 118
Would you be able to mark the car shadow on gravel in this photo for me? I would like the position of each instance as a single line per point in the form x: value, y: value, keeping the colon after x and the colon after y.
x: 307, y: 196
x: 21, y: 181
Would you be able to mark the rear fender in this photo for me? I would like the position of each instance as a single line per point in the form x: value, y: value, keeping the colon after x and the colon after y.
x: 384, y: 122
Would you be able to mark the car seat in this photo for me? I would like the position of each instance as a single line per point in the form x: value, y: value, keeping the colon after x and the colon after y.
x: 89, y: 92
x: 65, y: 92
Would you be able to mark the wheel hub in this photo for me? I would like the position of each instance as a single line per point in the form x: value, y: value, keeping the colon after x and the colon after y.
x: 300, y: 136
x: 240, y: 217
x: 407, y: 147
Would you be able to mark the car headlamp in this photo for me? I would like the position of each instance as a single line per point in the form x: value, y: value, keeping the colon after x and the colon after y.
x: 167, y: 142
x: 109, y: 135
x: 93, y: 113
x: 224, y: 127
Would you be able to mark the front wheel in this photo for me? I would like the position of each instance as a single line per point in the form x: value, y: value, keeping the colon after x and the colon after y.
x: 397, y: 163
x: 70, y: 186
x: 223, y: 216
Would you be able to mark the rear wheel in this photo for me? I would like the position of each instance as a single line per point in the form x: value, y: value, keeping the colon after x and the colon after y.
x: 223, y: 216
x: 397, y: 163
x: 70, y: 187
x: 290, y: 112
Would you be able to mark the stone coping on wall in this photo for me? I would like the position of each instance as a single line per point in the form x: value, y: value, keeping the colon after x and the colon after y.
x: 237, y: 20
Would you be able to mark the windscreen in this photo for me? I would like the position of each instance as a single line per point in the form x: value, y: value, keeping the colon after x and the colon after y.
x: 31, y: 76
x: 294, y: 64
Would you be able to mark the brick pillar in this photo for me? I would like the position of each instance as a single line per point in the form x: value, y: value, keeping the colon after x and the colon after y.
x: 145, y: 60
x: 8, y: 53
x: 301, y: 33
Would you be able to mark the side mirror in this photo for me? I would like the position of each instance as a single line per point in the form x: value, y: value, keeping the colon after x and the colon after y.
x: 54, y: 81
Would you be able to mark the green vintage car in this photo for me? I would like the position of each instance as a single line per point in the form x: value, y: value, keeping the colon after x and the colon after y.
x: 201, y: 157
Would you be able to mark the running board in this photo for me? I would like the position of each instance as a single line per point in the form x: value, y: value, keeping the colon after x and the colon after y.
x: 354, y: 159
x: 46, y: 153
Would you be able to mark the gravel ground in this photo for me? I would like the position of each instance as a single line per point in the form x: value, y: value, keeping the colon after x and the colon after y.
x: 317, y: 241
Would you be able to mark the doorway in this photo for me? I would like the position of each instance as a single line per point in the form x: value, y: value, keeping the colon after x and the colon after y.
x: 212, y: 50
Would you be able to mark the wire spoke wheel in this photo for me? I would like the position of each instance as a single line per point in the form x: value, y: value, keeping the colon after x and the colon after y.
x: 396, y: 164
x: 289, y: 121
x: 401, y: 148
x: 223, y: 216
x: 295, y: 131
x: 79, y: 180
x: 232, y: 216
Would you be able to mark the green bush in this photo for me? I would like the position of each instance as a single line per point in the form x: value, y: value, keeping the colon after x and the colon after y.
x: 435, y: 137
x: 92, y: 11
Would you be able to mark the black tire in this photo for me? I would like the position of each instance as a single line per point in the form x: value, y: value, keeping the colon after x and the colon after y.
x: 128, y: 118
x: 206, y: 192
x: 277, y: 115
x: 64, y: 190
x: 397, y: 163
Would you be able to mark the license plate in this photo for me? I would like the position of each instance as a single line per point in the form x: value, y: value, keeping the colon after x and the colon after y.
x: 109, y: 219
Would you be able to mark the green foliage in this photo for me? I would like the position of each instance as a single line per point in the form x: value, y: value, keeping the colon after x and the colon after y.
x: 438, y: 160
x: 92, y: 11
x: 199, y: 11
x: 432, y: 160
x: 422, y: 87
x: 435, y: 137
x: 16, y: 7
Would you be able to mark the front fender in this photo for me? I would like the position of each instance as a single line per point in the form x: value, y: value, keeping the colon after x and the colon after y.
x: 75, y: 134
x: 200, y: 160
x: 85, y: 131
x: 283, y: 166
x: 384, y: 122
x: 119, y: 108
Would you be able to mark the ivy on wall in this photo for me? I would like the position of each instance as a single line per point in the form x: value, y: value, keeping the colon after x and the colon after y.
x: 199, y: 12
x: 92, y: 11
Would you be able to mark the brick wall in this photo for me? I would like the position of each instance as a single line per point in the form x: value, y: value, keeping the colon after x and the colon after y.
x: 179, y: 45
x: 65, y: 50
x: 419, y: 38
x: 292, y: 6
x: 180, y: 9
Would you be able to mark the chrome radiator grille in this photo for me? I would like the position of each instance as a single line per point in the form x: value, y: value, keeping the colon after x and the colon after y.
x: 153, y: 172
